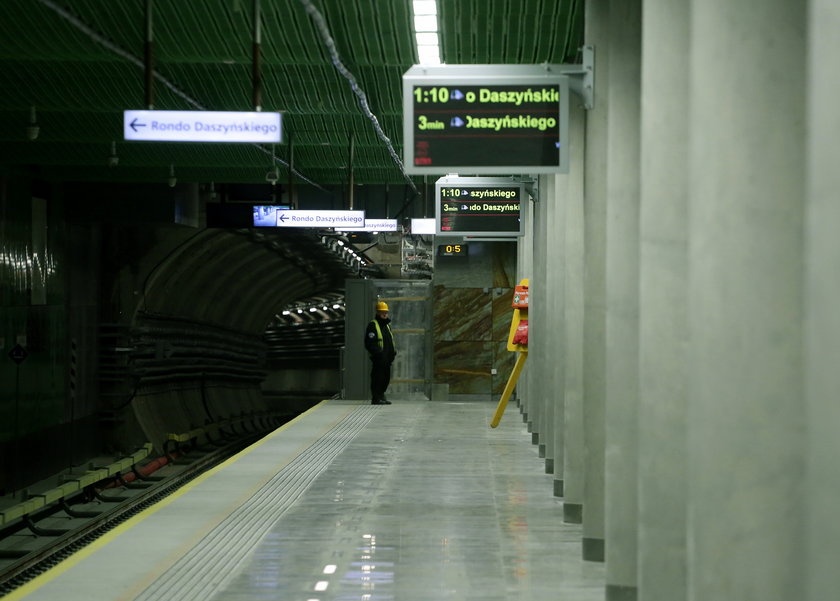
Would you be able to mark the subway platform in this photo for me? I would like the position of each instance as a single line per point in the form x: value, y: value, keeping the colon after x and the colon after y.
x: 415, y: 501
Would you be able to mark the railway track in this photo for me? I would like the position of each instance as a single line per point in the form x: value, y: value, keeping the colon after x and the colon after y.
x: 42, y: 540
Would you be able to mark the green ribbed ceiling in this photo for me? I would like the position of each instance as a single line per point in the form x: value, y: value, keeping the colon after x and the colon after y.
x: 80, y: 87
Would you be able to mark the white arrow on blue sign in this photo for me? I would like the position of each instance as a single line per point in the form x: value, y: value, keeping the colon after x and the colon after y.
x: 202, y: 126
x: 321, y: 219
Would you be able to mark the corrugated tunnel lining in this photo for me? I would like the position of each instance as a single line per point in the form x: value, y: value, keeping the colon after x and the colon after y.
x: 212, y: 563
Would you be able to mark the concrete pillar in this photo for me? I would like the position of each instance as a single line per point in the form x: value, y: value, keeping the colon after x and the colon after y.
x: 822, y: 293
x: 539, y: 337
x: 552, y: 194
x: 663, y: 325
x: 571, y: 485
x: 746, y: 418
x: 595, y: 237
x: 622, y: 402
x: 524, y: 269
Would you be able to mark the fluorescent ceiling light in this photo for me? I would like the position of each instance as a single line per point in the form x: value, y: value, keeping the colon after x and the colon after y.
x: 425, y: 23
x: 426, y: 31
x: 425, y: 7
x: 428, y: 55
x: 426, y: 39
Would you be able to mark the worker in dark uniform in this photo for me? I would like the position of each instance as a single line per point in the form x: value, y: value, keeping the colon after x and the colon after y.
x: 379, y: 342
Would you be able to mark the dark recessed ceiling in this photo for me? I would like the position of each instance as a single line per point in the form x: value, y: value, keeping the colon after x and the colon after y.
x: 71, y: 60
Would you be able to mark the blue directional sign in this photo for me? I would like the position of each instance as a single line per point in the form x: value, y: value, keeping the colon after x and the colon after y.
x: 202, y: 126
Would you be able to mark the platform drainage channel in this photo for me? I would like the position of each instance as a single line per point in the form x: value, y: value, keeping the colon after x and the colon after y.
x: 208, y: 566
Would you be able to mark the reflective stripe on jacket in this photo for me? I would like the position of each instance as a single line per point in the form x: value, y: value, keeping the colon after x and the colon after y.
x: 379, y: 335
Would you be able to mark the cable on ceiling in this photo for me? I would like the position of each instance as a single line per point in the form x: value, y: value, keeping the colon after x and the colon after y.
x: 329, y: 42
x: 121, y: 52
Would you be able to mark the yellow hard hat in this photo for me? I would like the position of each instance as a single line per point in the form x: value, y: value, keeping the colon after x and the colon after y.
x: 381, y: 306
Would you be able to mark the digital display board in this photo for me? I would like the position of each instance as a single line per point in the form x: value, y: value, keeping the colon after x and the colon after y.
x: 477, y: 206
x: 491, y: 119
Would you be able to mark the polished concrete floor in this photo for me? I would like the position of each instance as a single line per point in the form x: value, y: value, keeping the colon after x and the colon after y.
x: 409, y: 502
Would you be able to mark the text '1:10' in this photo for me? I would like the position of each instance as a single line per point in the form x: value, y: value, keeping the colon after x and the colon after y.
x: 431, y: 94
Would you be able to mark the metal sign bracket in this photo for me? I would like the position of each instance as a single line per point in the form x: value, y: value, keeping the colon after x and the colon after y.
x: 581, y: 77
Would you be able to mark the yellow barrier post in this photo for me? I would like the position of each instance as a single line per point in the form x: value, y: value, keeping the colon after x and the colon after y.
x: 520, y: 314
x: 511, y: 383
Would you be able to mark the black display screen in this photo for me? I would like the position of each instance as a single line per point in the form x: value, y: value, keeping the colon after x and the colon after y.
x: 486, y: 125
x: 482, y: 209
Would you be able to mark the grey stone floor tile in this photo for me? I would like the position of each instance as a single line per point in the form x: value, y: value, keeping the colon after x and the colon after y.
x: 426, y: 503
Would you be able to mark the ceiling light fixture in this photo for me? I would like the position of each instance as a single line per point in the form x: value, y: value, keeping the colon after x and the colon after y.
x: 113, y: 159
x: 426, y: 31
x: 274, y: 174
x: 33, y: 129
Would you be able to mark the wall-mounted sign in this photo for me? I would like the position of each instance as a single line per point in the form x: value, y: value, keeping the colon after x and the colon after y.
x: 490, y: 119
x: 202, y: 126
x: 477, y: 206
x: 320, y: 219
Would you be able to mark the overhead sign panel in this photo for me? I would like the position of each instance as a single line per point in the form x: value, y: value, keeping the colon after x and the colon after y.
x: 266, y: 215
x: 490, y: 119
x: 422, y: 226
x: 377, y: 225
x: 202, y: 126
x: 320, y: 219
x: 476, y: 206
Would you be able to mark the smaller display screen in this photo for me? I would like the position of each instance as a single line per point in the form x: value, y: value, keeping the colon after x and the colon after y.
x: 481, y: 209
x: 452, y: 250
